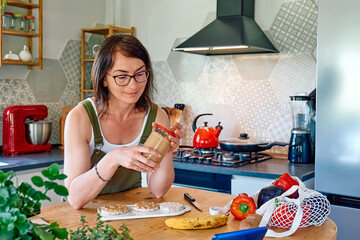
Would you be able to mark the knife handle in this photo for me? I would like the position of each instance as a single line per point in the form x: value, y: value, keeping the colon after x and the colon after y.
x: 188, y: 197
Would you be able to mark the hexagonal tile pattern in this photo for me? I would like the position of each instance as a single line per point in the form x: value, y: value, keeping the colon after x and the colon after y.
x: 185, y: 67
x: 213, y: 86
x: 256, y: 67
x: 54, y: 113
x: 295, y: 27
x: 53, y: 80
x: 294, y: 73
x: 71, y: 63
x: 255, y: 108
x: 164, y: 84
x: 16, y: 92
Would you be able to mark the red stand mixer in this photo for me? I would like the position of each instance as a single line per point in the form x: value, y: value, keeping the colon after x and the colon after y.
x: 14, y: 130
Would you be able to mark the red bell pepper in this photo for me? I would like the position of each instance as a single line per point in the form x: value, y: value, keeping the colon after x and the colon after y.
x: 284, y: 215
x: 286, y: 182
x: 242, y: 206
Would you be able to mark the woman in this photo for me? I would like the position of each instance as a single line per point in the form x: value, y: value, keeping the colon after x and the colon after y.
x: 102, y: 134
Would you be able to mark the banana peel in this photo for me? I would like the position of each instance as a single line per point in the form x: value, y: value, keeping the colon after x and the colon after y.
x: 205, y: 222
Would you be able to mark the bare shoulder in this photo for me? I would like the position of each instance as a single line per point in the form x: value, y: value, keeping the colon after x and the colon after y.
x: 77, y: 114
x: 162, y: 118
x: 78, y: 120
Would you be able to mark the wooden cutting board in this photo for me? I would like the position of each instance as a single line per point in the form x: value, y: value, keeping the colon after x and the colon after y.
x: 174, y: 114
x: 65, y: 112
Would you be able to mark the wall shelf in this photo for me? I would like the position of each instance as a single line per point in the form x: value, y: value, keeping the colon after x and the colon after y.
x: 105, y: 31
x: 29, y: 6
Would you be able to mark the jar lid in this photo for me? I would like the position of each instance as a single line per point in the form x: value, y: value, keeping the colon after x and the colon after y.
x: 9, y: 13
x: 166, y: 130
x: 18, y: 15
x: 32, y: 17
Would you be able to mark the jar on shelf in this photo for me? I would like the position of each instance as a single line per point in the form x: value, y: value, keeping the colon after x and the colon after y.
x: 29, y: 23
x: 8, y: 20
x: 19, y: 22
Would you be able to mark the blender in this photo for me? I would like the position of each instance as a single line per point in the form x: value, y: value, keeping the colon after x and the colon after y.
x: 301, y: 147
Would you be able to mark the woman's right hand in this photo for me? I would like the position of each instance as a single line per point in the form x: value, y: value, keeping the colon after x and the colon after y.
x: 131, y: 157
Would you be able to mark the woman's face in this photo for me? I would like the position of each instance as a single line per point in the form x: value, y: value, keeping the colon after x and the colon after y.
x: 123, y: 66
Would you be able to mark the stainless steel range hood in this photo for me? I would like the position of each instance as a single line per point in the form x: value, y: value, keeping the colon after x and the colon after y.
x: 233, y: 31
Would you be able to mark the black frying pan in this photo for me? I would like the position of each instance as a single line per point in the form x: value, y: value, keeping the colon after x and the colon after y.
x: 245, y: 144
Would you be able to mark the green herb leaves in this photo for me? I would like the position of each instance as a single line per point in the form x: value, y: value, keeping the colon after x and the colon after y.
x: 99, y: 231
x: 19, y: 203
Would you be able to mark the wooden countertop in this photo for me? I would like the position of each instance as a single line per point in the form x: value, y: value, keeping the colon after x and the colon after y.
x: 67, y: 217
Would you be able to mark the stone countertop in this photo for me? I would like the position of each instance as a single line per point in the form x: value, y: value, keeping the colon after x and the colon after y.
x: 30, y: 161
x: 271, y: 169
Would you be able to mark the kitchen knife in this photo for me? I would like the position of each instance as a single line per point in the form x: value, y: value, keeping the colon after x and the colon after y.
x: 192, y: 201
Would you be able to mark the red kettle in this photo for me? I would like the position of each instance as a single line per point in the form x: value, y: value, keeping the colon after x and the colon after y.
x: 206, y: 137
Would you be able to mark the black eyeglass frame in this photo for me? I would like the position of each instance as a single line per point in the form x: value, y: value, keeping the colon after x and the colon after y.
x: 147, y: 72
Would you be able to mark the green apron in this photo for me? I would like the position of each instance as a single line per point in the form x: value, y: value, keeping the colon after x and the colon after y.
x: 124, y: 178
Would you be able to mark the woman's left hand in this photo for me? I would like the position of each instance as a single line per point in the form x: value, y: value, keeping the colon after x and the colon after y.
x: 179, y: 133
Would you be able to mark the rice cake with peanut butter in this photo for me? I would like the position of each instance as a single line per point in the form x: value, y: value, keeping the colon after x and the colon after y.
x: 144, y: 206
x: 116, y: 209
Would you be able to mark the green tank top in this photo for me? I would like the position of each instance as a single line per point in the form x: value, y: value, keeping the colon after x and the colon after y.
x: 124, y: 178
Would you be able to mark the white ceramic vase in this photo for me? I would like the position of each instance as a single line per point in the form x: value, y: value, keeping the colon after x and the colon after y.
x: 25, y: 54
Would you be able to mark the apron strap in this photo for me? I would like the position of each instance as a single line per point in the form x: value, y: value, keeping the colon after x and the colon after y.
x: 148, y: 126
x: 98, y: 139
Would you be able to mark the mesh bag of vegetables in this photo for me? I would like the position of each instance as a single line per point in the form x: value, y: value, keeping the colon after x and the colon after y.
x: 295, y: 208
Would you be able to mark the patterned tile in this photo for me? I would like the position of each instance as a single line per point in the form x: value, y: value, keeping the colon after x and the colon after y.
x: 255, y: 67
x: 53, y: 80
x: 184, y: 66
x: 294, y: 73
x: 255, y: 109
x: 70, y: 60
x: 164, y: 84
x: 16, y: 92
x: 295, y: 27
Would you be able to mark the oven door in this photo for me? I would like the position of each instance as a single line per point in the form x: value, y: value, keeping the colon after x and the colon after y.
x: 202, y: 180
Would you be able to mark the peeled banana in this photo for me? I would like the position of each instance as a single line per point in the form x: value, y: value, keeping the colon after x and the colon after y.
x: 197, y: 222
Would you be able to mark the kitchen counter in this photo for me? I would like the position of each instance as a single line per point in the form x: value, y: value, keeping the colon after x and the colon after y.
x: 270, y: 169
x: 29, y: 161
x: 144, y: 228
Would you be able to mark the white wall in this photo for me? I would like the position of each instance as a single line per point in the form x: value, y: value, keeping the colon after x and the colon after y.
x: 63, y: 20
x: 159, y: 22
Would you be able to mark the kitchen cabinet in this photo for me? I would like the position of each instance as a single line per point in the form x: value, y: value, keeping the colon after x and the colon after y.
x: 26, y: 175
x: 105, y: 32
x: 22, y: 34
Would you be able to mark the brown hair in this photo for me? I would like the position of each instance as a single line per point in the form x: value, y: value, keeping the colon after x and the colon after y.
x: 129, y: 46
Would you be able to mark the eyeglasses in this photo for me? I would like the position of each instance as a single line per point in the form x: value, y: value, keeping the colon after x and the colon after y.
x: 124, y: 79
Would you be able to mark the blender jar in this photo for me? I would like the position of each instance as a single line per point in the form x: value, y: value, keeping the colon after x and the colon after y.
x: 301, y: 112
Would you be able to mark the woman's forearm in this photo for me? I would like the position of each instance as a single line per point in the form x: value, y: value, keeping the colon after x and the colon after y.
x: 160, y: 181
x: 88, y: 185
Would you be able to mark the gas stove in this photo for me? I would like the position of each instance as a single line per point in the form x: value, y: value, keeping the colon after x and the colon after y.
x: 217, y: 157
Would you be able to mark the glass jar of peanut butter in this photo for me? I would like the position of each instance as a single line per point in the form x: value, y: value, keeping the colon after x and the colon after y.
x: 159, y: 141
